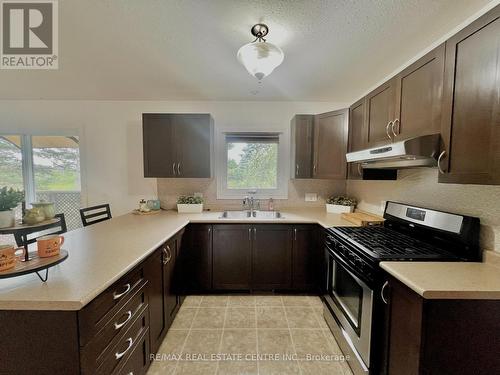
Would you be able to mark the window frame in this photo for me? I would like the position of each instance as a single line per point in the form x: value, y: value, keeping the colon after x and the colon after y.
x: 223, y: 192
x: 27, y: 157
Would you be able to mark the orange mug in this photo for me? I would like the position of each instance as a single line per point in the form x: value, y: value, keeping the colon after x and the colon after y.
x: 50, y: 245
x: 8, y: 256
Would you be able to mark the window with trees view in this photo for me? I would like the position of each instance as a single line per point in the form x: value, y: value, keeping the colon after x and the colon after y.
x: 251, y: 165
x: 46, y: 168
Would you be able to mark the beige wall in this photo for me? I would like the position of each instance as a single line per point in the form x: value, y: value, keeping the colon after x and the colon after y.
x: 169, y: 189
x: 111, y: 136
x: 420, y: 187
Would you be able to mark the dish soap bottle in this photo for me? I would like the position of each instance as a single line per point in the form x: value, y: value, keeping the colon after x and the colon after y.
x: 270, y: 206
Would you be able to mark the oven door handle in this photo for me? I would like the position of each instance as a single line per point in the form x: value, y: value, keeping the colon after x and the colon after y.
x: 347, y: 266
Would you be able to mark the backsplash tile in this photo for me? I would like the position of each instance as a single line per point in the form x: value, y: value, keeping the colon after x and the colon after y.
x: 420, y: 187
x: 170, y: 188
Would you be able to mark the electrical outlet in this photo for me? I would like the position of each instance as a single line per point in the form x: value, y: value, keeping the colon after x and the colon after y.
x: 311, y: 197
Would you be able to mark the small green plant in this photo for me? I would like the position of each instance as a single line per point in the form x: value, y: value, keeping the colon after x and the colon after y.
x: 187, y: 199
x: 342, y: 201
x: 10, y: 198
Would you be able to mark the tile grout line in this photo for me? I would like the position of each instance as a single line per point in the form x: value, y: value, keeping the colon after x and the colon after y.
x: 222, y: 334
x: 291, y: 337
x: 188, y: 334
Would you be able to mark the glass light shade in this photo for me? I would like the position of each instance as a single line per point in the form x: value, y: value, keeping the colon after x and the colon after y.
x: 260, y: 58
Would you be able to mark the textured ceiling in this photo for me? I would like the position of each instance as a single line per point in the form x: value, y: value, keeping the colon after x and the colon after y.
x: 186, y: 49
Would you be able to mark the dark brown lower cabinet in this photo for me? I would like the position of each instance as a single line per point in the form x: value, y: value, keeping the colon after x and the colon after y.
x: 271, y: 257
x: 232, y: 264
x: 306, y: 257
x: 162, y: 271
x: 265, y: 257
x: 197, y: 258
x: 441, y: 337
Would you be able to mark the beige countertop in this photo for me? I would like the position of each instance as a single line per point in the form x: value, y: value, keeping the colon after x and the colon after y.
x: 100, y: 254
x: 448, y: 280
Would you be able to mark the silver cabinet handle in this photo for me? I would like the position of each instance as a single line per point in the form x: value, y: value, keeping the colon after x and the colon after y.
x: 387, y: 129
x: 179, y: 168
x: 255, y: 234
x: 297, y: 170
x: 119, y: 295
x: 173, y: 168
x: 209, y: 230
x: 168, y: 254
x: 120, y: 325
x: 295, y: 234
x: 314, y: 169
x: 396, y: 121
x: 360, y: 172
x: 441, y: 156
x: 382, y: 292
x: 130, y: 342
x: 249, y: 234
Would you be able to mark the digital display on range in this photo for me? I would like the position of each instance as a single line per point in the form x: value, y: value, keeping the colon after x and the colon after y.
x: 415, y: 214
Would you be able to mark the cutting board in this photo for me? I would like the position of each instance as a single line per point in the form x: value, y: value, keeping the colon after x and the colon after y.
x: 362, y: 219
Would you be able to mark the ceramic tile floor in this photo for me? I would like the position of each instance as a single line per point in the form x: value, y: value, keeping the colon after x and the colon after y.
x: 249, y: 335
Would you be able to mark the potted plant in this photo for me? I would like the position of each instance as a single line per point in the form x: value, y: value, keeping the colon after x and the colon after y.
x: 189, y: 204
x: 9, y: 199
x: 340, y: 204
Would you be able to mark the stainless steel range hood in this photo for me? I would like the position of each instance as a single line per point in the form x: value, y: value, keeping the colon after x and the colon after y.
x: 415, y: 152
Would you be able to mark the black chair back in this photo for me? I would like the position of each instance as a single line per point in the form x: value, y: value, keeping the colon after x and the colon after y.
x: 59, y: 227
x: 95, y: 214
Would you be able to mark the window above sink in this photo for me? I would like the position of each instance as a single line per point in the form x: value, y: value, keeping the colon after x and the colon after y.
x: 251, y: 163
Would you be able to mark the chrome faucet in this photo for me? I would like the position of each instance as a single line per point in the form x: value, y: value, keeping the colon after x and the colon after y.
x: 250, y: 203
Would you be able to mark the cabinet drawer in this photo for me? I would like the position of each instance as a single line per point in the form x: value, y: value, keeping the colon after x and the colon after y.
x: 95, y: 351
x: 93, y: 317
x: 121, y: 350
x: 138, y: 361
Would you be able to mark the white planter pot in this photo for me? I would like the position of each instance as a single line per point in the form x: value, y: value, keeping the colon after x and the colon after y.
x: 338, y: 209
x: 190, y: 208
x: 7, y: 219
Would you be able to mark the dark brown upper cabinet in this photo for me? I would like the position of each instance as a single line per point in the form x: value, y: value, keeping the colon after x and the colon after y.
x: 471, y: 111
x: 357, y: 138
x: 419, y: 92
x: 330, y: 145
x: 380, y: 112
x: 177, y: 145
x: 301, y: 152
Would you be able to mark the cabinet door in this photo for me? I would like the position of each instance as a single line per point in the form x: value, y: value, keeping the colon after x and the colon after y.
x: 419, y: 97
x: 405, y: 325
x: 380, y: 105
x: 232, y: 256
x: 158, y: 145
x: 153, y: 271
x: 471, y: 109
x: 302, y: 146
x: 193, y: 133
x: 305, y: 258
x: 330, y: 145
x: 170, y: 299
x: 271, y: 257
x: 357, y: 132
x: 197, y: 258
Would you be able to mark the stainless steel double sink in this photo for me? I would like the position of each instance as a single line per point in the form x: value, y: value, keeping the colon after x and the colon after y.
x: 251, y: 214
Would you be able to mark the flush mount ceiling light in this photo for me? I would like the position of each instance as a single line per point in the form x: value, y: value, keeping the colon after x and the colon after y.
x: 260, y: 58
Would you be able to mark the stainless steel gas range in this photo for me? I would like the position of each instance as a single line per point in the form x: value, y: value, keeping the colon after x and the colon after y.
x: 354, y: 294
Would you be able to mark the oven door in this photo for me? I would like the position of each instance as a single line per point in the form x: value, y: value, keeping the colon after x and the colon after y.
x: 351, y: 301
